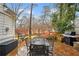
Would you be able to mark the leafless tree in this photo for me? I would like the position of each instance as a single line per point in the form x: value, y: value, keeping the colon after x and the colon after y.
x: 18, y: 9
x: 46, y: 18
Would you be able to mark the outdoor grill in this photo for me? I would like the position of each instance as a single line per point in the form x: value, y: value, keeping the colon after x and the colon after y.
x: 70, y: 38
x: 39, y: 47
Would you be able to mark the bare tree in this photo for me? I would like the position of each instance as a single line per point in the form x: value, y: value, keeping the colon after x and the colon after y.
x: 46, y: 18
x: 18, y: 9
x: 31, y: 7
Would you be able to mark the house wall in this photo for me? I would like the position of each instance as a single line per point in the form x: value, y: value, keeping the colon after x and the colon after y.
x: 7, y: 26
x: 77, y: 25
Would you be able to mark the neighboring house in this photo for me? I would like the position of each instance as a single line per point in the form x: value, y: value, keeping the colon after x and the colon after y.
x: 7, y: 24
x: 77, y: 25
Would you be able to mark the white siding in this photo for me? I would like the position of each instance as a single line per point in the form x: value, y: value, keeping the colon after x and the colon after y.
x: 1, y: 7
x: 77, y: 25
x: 1, y: 24
x: 6, y: 22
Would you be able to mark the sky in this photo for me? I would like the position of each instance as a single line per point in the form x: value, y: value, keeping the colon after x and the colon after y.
x: 37, y: 9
